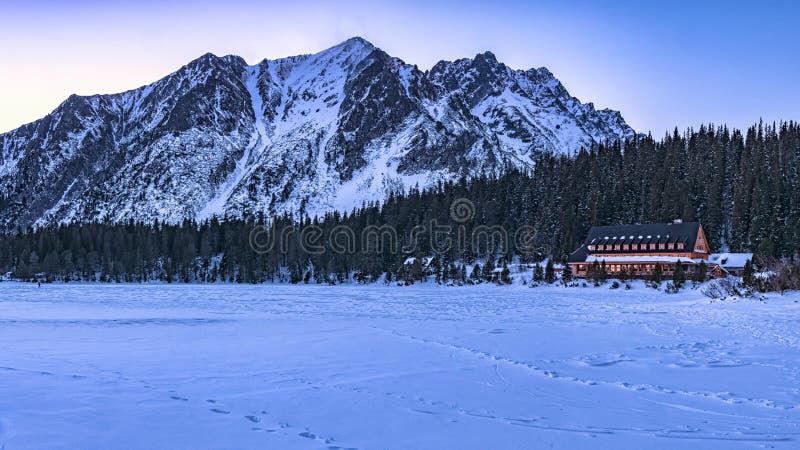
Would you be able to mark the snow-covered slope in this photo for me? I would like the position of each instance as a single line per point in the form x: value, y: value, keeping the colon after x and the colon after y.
x: 304, y: 134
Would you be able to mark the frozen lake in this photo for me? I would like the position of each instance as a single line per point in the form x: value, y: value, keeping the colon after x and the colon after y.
x: 231, y: 367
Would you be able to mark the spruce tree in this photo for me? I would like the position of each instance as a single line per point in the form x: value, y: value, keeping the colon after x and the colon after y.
x: 477, y: 274
x: 700, y: 272
x: 658, y: 274
x: 538, y: 273
x: 566, y: 273
x: 748, y: 275
x: 505, y: 275
x: 488, y: 269
x: 678, y: 275
x: 549, y: 272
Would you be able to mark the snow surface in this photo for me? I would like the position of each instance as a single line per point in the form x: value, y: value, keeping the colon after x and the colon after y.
x: 731, y: 259
x: 221, y: 366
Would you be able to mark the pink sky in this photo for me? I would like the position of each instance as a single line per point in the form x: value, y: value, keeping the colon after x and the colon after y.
x: 661, y: 66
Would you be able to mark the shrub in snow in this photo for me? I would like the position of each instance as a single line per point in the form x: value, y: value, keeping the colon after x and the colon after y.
x: 722, y: 288
x: 614, y: 285
x: 672, y: 288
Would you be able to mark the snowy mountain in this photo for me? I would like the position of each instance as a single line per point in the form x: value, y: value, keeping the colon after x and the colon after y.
x: 306, y: 134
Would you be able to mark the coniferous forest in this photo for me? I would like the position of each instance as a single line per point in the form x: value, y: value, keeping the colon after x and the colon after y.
x: 743, y: 187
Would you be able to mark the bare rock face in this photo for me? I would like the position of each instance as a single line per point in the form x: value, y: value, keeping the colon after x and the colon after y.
x: 304, y: 134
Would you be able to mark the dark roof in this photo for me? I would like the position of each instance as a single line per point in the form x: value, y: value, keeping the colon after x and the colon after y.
x: 657, y: 233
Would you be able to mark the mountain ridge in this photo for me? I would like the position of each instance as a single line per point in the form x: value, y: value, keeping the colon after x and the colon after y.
x: 307, y: 134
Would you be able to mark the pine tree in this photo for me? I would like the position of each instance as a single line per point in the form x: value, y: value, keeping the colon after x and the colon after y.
x: 549, y: 272
x: 700, y: 272
x: 566, y: 273
x: 678, y: 275
x: 488, y: 269
x: 594, y: 271
x: 748, y: 275
x: 505, y: 275
x: 658, y: 274
x: 623, y: 275
x: 477, y: 274
x: 538, y: 273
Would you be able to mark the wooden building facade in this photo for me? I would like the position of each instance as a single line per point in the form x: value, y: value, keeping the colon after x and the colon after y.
x: 636, y: 250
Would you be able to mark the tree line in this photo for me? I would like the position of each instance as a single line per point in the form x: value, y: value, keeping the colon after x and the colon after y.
x: 743, y: 186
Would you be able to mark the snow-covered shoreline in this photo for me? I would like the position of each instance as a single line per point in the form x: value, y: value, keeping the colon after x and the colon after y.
x: 371, y: 366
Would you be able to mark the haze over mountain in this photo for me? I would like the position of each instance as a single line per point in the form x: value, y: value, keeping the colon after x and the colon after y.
x: 305, y: 134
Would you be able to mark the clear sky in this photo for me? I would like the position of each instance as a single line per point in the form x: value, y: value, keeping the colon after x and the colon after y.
x: 662, y: 64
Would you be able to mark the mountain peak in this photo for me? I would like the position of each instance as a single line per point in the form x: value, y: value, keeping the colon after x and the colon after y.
x: 487, y: 57
x: 308, y: 134
x: 354, y: 43
x: 359, y: 40
x: 205, y: 57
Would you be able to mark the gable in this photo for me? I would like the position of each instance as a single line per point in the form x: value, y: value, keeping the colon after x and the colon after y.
x: 701, y: 243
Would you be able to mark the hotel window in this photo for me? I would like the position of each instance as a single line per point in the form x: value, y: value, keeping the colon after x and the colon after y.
x: 616, y: 247
x: 661, y: 246
x: 591, y: 248
x: 625, y: 247
x: 680, y: 245
x: 652, y: 246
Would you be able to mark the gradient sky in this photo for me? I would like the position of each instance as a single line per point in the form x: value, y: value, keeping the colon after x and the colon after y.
x: 662, y: 64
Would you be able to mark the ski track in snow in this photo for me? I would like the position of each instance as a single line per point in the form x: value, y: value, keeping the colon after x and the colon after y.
x: 227, y: 366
